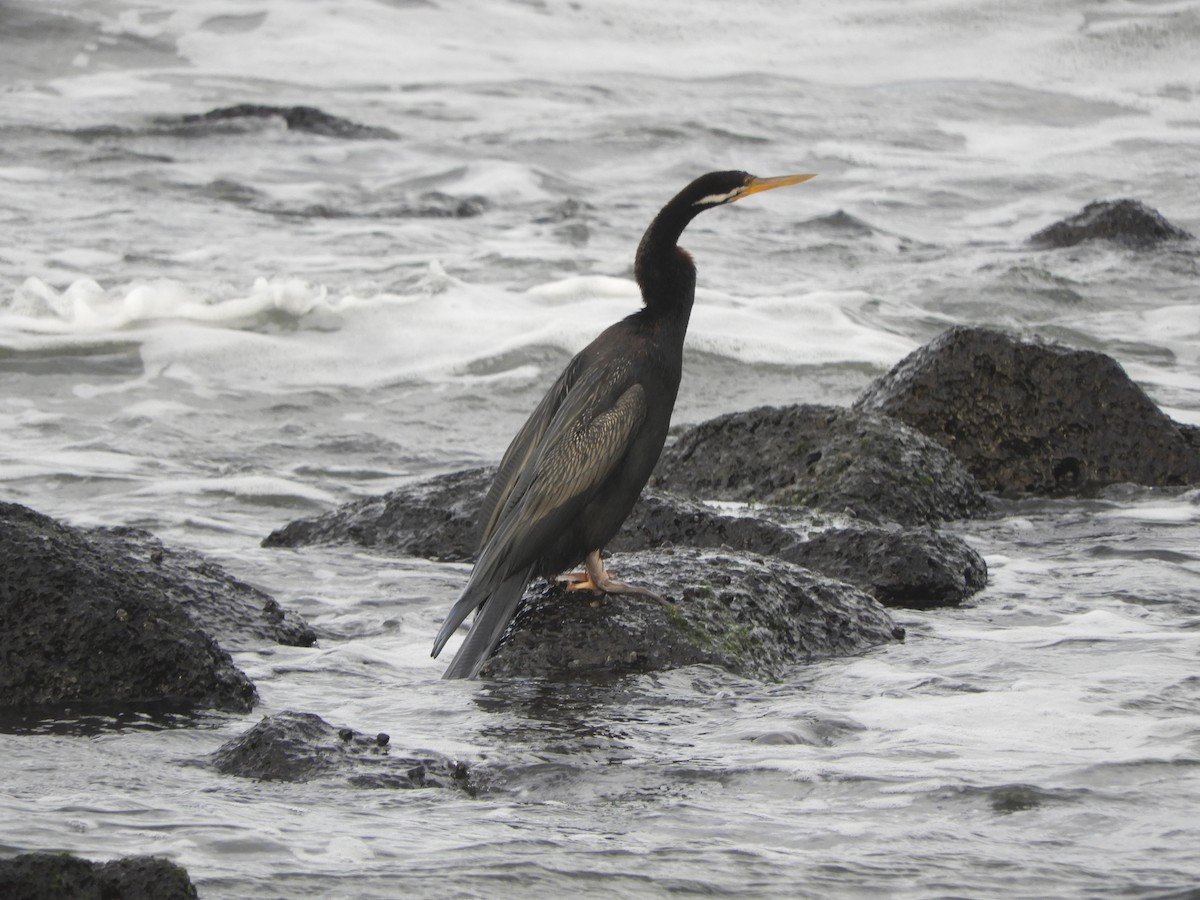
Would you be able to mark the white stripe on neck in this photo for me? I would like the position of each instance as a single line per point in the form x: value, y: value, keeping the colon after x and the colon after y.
x: 714, y: 199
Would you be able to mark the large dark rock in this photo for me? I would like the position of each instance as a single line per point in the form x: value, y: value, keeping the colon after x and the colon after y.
x: 297, y: 118
x: 1127, y: 222
x: 912, y: 567
x: 824, y: 458
x: 436, y: 519
x: 915, y: 568
x: 296, y: 746
x: 1032, y: 416
x: 58, y: 876
x: 238, y: 615
x: 662, y: 519
x: 82, y: 624
x: 752, y: 615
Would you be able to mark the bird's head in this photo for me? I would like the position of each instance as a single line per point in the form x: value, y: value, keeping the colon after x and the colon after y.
x: 718, y: 188
x: 663, y: 270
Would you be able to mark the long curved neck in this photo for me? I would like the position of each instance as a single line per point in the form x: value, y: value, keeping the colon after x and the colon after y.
x: 664, y: 271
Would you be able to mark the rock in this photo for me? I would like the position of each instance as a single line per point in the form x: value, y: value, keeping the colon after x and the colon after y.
x: 752, y: 615
x: 661, y: 518
x: 297, y: 118
x: 434, y: 519
x: 1033, y: 416
x: 54, y: 876
x: 1191, y: 434
x: 431, y: 205
x: 1127, y: 222
x: 915, y: 568
x: 825, y: 458
x: 347, y: 203
x: 83, y: 625
x: 297, y: 747
x: 239, y: 616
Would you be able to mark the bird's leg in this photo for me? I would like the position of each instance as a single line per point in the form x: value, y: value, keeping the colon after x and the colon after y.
x: 598, y: 581
x: 574, y: 581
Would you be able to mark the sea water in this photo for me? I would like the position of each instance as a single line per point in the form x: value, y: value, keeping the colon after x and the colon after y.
x: 209, y: 329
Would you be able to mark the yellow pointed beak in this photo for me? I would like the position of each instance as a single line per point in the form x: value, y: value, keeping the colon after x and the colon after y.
x: 754, y: 185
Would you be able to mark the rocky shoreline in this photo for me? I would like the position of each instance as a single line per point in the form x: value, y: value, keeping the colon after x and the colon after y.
x: 777, y: 536
x: 745, y: 503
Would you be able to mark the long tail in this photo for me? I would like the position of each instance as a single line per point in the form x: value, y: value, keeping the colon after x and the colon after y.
x: 498, y: 609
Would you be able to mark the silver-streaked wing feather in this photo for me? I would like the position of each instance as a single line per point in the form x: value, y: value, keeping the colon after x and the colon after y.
x: 577, y: 454
x: 522, y: 449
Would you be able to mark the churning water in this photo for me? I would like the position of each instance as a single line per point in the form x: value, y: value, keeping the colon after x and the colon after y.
x: 209, y: 329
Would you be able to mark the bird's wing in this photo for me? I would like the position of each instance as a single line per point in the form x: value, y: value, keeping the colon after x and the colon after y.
x: 586, y: 439
x: 580, y: 446
x: 522, y: 450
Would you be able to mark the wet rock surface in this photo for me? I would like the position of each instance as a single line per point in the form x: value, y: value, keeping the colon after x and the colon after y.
x: 57, y: 876
x: 916, y: 568
x: 1127, y: 222
x: 237, y: 614
x: 435, y: 519
x: 824, y: 458
x: 297, y: 747
x: 1031, y: 416
x: 663, y: 519
x: 752, y: 615
x: 83, y: 625
x: 912, y: 567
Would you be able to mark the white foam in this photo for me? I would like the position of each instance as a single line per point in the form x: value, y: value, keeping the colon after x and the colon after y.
x: 255, y: 487
x: 812, y: 329
x: 155, y: 409
x: 24, y: 174
x: 85, y: 308
x: 1165, y: 513
x: 434, y: 333
x: 1096, y: 624
x: 502, y: 181
x: 91, y: 463
x: 583, y: 287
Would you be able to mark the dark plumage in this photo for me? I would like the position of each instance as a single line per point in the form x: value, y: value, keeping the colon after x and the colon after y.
x: 573, y: 472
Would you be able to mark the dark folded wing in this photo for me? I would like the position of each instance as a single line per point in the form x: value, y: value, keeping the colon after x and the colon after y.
x: 584, y: 442
x: 523, y: 449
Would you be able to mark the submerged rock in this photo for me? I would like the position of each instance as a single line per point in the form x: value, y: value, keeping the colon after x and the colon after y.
x: 346, y: 204
x: 296, y: 746
x: 1034, y: 416
x: 297, y: 118
x: 824, y: 458
x: 1127, y: 222
x: 752, y: 615
x: 83, y: 624
x: 55, y: 876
